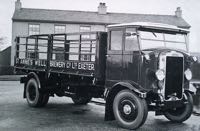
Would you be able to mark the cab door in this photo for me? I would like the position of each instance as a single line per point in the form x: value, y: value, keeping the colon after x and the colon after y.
x: 131, y: 56
x: 114, y: 57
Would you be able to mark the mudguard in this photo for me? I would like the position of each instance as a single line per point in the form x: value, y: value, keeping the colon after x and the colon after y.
x: 29, y: 76
x: 112, y: 92
x: 34, y: 75
x: 141, y: 92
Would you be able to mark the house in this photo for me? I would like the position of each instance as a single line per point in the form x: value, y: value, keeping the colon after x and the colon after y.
x: 27, y: 21
x: 5, y: 68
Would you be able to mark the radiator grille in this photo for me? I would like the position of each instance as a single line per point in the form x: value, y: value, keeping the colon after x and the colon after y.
x: 174, y: 77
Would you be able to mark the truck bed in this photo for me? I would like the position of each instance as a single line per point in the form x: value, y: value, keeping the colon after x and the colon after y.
x: 81, y: 54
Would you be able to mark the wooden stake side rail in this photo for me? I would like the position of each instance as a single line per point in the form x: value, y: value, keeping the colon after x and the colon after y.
x: 72, y: 53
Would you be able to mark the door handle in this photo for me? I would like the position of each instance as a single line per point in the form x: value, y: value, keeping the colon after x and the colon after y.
x: 107, y: 55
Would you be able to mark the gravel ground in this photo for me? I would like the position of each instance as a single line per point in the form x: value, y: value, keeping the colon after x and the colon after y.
x: 62, y: 115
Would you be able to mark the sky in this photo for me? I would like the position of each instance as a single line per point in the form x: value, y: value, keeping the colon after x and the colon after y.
x: 190, y: 10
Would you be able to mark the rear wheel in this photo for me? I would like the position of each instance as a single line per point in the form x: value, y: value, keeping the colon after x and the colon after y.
x: 33, y: 96
x: 182, y: 113
x: 45, y: 99
x: 129, y: 110
x: 81, y: 100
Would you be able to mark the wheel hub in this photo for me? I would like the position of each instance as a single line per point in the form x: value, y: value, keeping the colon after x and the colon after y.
x: 127, y: 109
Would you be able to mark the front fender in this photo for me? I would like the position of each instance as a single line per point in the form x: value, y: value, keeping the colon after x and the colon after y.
x: 112, y: 92
x: 141, y: 92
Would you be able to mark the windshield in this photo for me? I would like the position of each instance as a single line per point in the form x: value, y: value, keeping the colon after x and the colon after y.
x: 155, y: 40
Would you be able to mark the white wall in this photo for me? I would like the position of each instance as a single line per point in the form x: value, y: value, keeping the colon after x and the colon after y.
x: 18, y: 29
x: 21, y: 28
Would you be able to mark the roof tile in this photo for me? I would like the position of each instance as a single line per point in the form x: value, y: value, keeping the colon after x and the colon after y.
x: 67, y: 16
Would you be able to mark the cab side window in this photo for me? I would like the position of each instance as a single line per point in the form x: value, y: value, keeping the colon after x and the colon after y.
x: 116, y: 40
x: 131, y: 40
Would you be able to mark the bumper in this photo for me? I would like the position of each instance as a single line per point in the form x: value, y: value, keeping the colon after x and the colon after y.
x: 173, y: 104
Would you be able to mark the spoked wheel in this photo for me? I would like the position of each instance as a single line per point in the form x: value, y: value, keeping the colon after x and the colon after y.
x: 33, y: 96
x: 182, y: 113
x: 81, y: 100
x: 129, y: 110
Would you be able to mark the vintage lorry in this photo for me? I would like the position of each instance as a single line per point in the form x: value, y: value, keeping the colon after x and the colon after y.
x: 195, y: 82
x: 137, y: 67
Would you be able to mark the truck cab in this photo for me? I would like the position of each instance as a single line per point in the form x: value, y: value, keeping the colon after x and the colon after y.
x: 135, y: 46
x: 135, y: 67
x: 153, y: 62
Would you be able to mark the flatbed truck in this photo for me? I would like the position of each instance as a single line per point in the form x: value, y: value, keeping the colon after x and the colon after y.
x: 136, y: 67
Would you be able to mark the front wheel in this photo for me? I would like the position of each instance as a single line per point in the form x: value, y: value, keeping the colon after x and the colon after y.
x: 182, y: 113
x: 129, y: 110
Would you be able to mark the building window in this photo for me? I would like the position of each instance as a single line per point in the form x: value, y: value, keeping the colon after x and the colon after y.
x: 85, y: 48
x: 34, y: 29
x: 59, y: 29
x: 31, y: 55
x: 85, y: 29
x: 73, y: 51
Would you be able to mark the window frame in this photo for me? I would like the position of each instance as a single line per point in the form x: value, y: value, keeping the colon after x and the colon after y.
x: 30, y: 30
x: 85, y: 26
x: 163, y: 40
x: 123, y: 38
x: 85, y: 36
x: 138, y: 40
x: 57, y: 25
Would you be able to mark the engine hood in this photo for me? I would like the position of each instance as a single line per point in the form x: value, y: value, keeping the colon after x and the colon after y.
x: 154, y: 52
x: 160, y: 50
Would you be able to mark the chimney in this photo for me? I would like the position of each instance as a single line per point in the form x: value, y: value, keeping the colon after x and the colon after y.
x: 178, y: 12
x: 18, y: 5
x: 102, y: 9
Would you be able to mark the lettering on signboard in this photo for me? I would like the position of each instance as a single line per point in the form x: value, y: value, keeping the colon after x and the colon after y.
x: 40, y: 63
x: 72, y: 65
x: 58, y: 64
x: 24, y: 61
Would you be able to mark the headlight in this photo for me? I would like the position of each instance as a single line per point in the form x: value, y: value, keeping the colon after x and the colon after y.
x: 188, y: 74
x: 194, y: 58
x: 147, y: 57
x: 160, y: 74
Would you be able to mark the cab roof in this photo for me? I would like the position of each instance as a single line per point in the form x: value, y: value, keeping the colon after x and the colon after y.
x: 149, y: 25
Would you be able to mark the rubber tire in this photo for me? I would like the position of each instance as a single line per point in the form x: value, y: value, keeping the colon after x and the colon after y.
x: 81, y: 100
x: 40, y: 98
x: 45, y: 100
x: 142, y: 109
x: 186, y: 113
x: 145, y: 111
